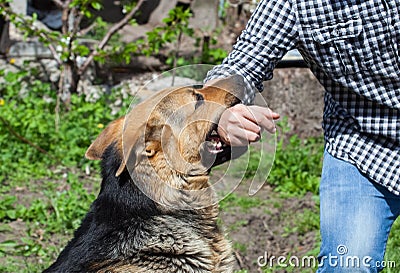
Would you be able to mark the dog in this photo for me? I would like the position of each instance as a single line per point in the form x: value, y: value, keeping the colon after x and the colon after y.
x: 156, y: 211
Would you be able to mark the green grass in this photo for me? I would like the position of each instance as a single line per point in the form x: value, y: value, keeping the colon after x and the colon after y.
x: 393, y: 249
x: 57, y: 212
x: 301, y: 223
x: 243, y: 202
x: 34, y: 139
x: 297, y: 166
x: 238, y: 224
x: 240, y: 247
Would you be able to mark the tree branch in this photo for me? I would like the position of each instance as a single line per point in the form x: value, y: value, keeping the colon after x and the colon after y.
x: 85, y: 31
x: 59, y: 4
x: 52, y: 49
x: 108, y: 36
x: 65, y: 16
x: 77, y: 21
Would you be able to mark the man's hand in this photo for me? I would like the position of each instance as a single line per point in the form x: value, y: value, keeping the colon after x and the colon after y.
x: 241, y: 124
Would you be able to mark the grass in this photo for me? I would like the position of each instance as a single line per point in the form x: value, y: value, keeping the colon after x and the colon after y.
x: 393, y: 249
x: 29, y: 243
x: 301, y: 223
x: 233, y: 200
x: 297, y: 166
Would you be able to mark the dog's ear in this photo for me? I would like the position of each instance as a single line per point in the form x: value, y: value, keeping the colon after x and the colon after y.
x: 112, y: 134
x: 152, y: 148
x: 156, y: 137
x: 143, y: 142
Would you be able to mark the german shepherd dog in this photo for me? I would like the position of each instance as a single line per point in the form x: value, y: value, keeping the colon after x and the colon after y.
x: 155, y: 212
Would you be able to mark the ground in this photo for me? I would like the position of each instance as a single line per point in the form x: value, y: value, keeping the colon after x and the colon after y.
x: 296, y: 94
x: 274, y: 226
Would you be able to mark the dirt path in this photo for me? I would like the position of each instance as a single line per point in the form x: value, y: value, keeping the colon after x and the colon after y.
x: 270, y: 225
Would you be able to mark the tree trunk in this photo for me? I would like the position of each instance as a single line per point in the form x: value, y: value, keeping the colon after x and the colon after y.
x: 68, y: 82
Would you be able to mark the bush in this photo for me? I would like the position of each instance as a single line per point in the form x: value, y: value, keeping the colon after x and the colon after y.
x: 297, y: 166
x: 30, y: 139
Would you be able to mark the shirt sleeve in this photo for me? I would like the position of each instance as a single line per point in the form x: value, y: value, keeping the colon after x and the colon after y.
x: 269, y: 34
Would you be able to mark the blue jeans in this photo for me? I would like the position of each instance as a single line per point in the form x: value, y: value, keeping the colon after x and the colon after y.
x: 356, y: 217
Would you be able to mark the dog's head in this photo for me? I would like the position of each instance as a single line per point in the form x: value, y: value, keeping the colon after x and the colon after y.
x: 173, y: 131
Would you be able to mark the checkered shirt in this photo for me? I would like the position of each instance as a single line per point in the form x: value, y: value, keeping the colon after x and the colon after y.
x: 353, y: 49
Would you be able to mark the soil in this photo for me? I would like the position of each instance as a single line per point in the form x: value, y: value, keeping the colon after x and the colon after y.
x: 297, y: 95
x: 268, y: 230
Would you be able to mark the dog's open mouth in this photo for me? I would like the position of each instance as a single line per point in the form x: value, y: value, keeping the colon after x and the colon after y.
x: 214, y: 143
x: 215, y: 151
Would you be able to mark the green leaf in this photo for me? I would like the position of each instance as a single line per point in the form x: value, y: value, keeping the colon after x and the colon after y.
x: 8, y: 243
x: 96, y: 5
x: 133, y: 22
x: 11, y: 214
x: 88, y: 14
x: 81, y: 50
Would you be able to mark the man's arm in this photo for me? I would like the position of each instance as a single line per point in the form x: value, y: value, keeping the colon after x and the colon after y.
x: 269, y: 34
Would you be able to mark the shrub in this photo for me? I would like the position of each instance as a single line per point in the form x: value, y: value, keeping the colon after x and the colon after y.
x: 30, y: 139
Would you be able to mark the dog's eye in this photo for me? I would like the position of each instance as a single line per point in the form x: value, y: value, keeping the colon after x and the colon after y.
x: 200, y: 100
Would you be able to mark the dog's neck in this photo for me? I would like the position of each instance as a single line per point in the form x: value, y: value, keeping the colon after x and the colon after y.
x: 143, y: 193
x: 173, y: 192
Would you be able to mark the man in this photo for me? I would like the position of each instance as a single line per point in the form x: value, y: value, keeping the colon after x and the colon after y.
x: 353, y: 48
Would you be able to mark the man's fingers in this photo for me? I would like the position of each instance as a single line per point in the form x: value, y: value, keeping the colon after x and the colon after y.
x: 241, y: 137
x: 251, y: 111
x: 266, y: 124
x: 275, y: 116
x: 261, y: 116
x: 243, y: 124
x: 250, y: 126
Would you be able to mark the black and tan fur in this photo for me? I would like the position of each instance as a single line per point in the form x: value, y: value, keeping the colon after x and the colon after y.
x: 126, y: 230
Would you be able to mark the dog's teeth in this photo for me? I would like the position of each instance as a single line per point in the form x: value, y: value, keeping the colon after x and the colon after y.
x: 214, y: 133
